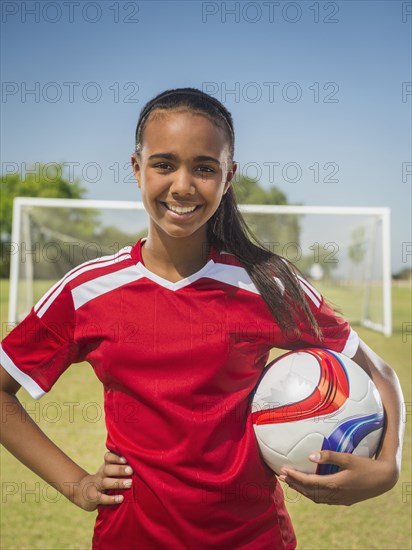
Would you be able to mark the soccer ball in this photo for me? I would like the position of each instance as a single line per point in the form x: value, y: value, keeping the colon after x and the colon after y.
x: 311, y: 400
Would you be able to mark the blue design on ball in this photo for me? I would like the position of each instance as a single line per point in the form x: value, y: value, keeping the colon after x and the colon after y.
x: 347, y: 436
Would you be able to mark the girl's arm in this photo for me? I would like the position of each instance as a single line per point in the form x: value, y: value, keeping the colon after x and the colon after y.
x: 29, y: 444
x: 360, y: 478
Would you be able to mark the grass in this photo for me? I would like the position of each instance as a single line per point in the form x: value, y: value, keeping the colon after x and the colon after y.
x: 34, y: 516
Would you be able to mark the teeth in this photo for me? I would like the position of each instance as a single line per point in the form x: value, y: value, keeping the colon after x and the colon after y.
x: 181, y: 209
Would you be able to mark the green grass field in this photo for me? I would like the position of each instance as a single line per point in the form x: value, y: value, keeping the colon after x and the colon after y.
x: 34, y: 516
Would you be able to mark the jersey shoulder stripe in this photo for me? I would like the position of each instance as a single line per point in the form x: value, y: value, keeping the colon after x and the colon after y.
x: 310, y: 292
x: 21, y: 377
x: 107, y: 282
x: 90, y: 267
x: 236, y: 275
x: 232, y: 275
x: 230, y: 271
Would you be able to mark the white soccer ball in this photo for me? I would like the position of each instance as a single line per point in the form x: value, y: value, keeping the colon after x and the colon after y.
x: 315, y: 399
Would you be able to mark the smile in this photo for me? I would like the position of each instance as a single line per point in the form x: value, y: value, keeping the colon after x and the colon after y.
x: 181, y: 209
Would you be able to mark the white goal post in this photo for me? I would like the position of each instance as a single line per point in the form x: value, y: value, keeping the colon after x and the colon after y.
x: 345, y: 250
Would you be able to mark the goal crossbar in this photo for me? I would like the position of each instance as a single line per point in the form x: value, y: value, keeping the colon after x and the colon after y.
x: 382, y: 213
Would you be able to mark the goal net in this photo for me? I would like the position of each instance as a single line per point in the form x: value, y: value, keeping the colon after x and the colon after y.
x: 343, y: 251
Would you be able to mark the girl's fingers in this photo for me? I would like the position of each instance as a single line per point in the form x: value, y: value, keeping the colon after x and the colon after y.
x: 343, y: 460
x: 111, y: 476
x: 113, y: 458
x: 106, y: 500
x: 114, y: 470
x: 294, y: 476
x: 113, y: 483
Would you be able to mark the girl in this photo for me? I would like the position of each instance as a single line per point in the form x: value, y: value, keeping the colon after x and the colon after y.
x: 197, y: 306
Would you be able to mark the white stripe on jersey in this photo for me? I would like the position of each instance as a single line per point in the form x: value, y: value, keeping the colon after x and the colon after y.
x: 45, y: 302
x: 21, y: 377
x: 237, y: 276
x: 352, y: 344
x: 310, y: 292
x: 233, y: 275
x: 246, y: 283
x: 101, y: 285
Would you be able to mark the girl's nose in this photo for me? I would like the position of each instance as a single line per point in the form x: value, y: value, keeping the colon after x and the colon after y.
x: 182, y: 183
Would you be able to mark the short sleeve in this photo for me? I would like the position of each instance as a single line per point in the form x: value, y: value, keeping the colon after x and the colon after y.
x: 337, y: 333
x: 40, y: 348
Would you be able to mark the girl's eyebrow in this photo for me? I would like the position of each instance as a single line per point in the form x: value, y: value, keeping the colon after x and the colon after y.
x: 171, y: 156
x: 205, y: 158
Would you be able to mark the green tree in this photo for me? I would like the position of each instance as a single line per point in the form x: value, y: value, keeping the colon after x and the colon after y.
x: 357, y: 248
x: 249, y: 191
x: 323, y: 255
x: 278, y: 233
x: 46, y: 181
x: 60, y: 238
x: 43, y: 181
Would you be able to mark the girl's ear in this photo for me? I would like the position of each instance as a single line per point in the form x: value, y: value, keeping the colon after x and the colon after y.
x: 229, y: 176
x: 136, y: 167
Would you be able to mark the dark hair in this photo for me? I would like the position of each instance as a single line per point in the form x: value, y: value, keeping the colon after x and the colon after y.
x: 195, y: 101
x: 227, y: 229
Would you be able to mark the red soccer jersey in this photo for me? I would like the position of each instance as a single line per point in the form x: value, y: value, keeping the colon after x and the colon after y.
x: 178, y: 362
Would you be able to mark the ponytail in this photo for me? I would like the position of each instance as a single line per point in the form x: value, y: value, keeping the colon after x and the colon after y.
x: 228, y: 231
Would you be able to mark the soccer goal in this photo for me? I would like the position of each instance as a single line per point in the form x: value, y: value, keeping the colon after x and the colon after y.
x: 343, y: 251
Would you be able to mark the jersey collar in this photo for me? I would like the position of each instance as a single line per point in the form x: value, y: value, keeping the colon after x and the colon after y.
x: 137, y: 257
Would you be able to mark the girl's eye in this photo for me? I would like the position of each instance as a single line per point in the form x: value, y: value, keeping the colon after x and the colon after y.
x: 163, y: 166
x: 206, y: 169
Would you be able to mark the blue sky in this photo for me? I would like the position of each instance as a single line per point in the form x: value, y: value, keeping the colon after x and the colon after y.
x: 308, y: 83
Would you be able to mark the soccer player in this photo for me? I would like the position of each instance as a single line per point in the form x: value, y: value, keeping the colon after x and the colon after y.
x: 196, y: 307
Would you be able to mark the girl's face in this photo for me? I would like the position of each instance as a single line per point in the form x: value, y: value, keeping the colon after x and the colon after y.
x: 183, y: 170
